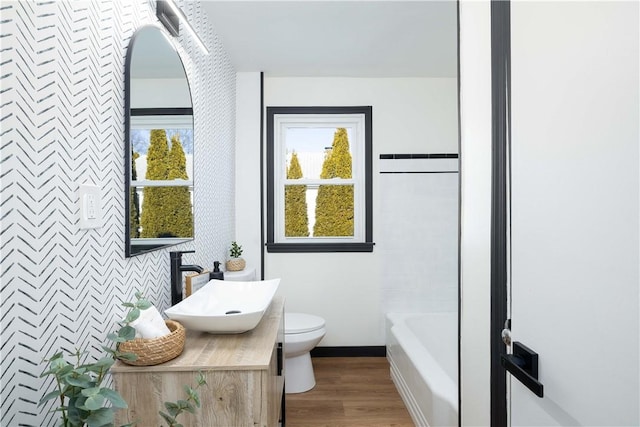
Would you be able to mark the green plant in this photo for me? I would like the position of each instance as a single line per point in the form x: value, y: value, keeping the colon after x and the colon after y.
x: 177, y: 408
x: 153, y: 217
x: 177, y: 209
x: 335, y: 203
x: 296, y: 220
x: 84, y: 400
x: 134, y: 201
x: 236, y: 250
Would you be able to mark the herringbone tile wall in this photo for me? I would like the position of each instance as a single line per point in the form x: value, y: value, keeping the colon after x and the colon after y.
x: 62, y: 124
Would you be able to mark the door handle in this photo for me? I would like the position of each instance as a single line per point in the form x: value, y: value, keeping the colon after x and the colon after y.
x: 523, y: 364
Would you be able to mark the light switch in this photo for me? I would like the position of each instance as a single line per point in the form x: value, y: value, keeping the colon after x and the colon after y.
x: 90, y: 212
x: 91, y: 206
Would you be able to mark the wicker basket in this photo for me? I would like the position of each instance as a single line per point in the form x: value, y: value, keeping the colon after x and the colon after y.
x: 156, y: 350
x: 236, y: 264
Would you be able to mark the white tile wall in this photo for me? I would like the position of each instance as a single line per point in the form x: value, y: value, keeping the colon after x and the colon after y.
x: 62, y: 123
x: 419, y: 239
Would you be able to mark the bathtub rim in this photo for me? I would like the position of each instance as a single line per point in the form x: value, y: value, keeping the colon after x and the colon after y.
x: 447, y: 390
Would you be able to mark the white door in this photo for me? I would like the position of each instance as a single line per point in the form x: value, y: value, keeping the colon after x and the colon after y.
x: 574, y: 210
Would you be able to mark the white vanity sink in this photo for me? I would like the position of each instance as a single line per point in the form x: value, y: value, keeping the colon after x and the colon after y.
x: 222, y: 307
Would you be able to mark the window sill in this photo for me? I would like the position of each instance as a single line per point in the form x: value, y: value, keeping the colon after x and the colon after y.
x: 319, y: 247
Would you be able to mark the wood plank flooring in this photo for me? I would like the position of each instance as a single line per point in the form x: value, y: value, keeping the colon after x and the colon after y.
x: 349, y: 392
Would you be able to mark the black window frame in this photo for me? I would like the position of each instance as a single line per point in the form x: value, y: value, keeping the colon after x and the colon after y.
x: 315, y: 247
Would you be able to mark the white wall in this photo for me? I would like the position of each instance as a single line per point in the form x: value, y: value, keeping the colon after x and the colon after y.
x: 475, y: 239
x: 247, y: 179
x: 409, y: 116
x: 418, y: 224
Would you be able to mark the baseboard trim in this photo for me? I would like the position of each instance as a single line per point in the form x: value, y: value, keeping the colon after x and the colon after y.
x: 359, y: 351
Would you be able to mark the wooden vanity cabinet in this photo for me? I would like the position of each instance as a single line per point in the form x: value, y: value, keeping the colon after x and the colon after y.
x: 244, y: 374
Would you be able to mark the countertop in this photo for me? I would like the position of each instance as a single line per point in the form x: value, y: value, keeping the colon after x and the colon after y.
x: 250, y: 350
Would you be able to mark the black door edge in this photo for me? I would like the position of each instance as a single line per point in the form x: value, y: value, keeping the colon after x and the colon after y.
x: 500, y: 111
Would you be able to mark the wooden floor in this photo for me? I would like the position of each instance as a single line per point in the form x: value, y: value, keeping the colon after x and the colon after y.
x: 349, y: 392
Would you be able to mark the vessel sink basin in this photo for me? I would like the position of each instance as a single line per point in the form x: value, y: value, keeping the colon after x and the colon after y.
x: 225, y: 307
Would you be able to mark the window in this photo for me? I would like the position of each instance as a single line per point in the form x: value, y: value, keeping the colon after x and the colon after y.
x: 319, y: 179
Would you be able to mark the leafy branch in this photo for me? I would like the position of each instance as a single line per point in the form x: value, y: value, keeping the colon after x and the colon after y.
x: 236, y: 250
x: 177, y: 408
x: 84, y: 401
x: 126, y: 331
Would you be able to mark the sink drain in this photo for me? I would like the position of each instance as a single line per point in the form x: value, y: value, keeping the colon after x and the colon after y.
x: 233, y: 312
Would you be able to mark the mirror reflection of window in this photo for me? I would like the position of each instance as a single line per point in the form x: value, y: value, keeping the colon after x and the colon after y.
x: 162, y: 157
x: 141, y: 127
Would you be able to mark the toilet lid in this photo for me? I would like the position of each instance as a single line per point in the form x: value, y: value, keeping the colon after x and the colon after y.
x: 297, y: 323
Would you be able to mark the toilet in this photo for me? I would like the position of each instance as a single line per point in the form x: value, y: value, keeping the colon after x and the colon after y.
x: 302, y: 332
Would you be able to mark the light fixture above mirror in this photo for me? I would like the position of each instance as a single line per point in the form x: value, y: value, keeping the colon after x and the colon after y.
x: 170, y: 15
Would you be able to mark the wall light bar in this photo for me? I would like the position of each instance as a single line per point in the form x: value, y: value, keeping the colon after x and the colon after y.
x: 170, y: 15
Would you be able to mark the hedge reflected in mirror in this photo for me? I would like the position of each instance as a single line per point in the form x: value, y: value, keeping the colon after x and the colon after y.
x: 166, y: 211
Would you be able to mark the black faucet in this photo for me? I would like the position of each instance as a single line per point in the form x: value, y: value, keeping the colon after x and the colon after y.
x: 176, y: 274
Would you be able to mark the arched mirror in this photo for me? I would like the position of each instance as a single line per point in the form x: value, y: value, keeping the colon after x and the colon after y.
x: 159, y: 145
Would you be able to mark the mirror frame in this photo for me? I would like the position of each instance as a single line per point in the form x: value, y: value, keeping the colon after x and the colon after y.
x: 127, y: 138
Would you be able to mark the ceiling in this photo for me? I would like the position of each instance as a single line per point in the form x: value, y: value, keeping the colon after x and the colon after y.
x: 355, y: 38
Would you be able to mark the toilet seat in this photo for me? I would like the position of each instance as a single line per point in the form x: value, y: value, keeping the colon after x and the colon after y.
x: 299, y: 323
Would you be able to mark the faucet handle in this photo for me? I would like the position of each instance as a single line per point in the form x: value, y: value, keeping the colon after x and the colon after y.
x: 178, y: 253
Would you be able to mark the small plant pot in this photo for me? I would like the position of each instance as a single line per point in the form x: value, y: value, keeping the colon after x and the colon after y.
x: 236, y: 264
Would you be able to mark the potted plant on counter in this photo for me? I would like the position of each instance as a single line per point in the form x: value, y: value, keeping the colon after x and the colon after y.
x: 235, y: 263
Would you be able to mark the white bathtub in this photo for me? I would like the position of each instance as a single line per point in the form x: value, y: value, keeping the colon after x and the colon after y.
x: 423, y: 352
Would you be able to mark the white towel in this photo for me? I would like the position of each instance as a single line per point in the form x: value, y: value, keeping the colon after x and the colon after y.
x: 150, y: 324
